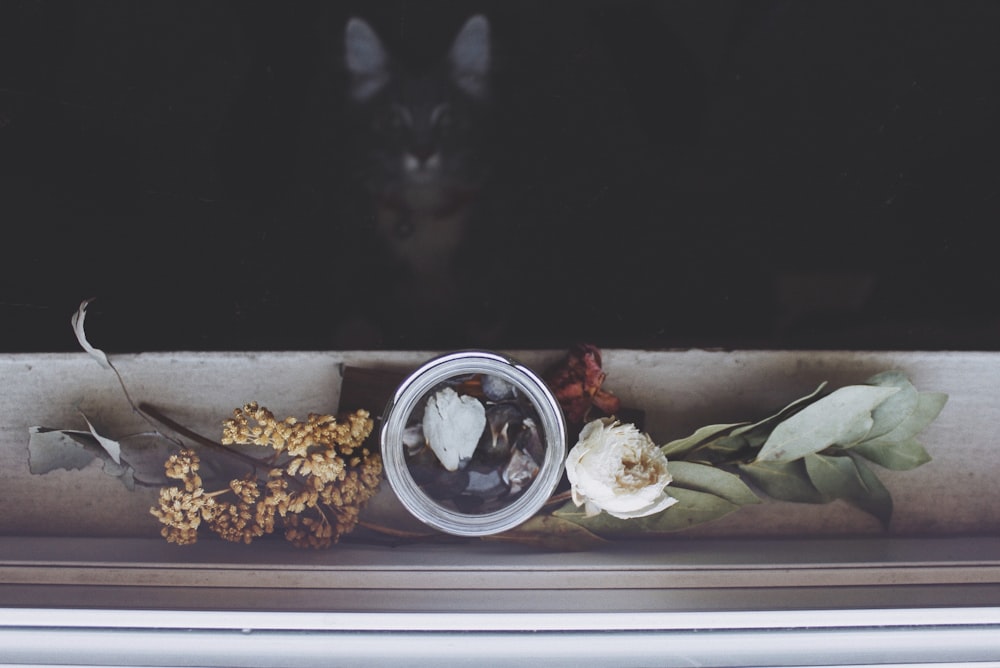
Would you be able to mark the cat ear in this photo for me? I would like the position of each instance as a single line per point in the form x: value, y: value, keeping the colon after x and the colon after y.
x: 366, y: 59
x: 470, y: 56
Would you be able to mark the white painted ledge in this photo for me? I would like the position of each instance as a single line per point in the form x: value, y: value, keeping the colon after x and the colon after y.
x: 925, y: 637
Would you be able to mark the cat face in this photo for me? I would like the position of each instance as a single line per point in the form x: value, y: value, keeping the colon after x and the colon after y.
x: 422, y: 138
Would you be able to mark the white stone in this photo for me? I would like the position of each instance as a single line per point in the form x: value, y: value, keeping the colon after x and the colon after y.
x: 453, y: 425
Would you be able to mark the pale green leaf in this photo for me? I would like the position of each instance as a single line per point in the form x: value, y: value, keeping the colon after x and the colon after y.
x: 709, y: 479
x: 929, y: 405
x: 692, y: 508
x: 879, y: 500
x: 898, y: 456
x: 845, y: 478
x: 77, y: 321
x: 720, y: 442
x: 840, y: 418
x: 756, y: 438
x: 890, y: 413
x: 785, y: 481
x: 682, y: 446
x: 723, y: 450
x: 782, y: 414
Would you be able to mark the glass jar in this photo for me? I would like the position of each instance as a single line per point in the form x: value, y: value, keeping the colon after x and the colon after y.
x: 473, y: 443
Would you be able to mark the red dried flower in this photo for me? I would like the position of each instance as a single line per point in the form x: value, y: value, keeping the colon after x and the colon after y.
x: 576, y: 383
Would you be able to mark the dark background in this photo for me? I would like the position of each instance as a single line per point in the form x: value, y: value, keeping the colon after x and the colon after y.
x: 736, y: 174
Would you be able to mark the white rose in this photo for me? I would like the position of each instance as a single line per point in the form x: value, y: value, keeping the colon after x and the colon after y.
x: 616, y: 468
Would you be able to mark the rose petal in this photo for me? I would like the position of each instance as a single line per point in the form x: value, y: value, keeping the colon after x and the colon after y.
x: 452, y: 427
x: 651, y: 509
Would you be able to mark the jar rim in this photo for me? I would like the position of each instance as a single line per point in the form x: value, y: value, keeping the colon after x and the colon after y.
x: 409, y: 394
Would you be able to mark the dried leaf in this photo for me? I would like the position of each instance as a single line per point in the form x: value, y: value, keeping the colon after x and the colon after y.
x: 878, y: 502
x: 847, y: 478
x: 701, y: 478
x: 901, y: 456
x: 551, y: 533
x: 386, y: 511
x: 81, y: 336
x: 710, y: 437
x: 53, y: 449
x: 112, y: 447
x: 69, y: 449
x: 929, y: 405
x: 725, y: 450
x: 841, y: 418
x: 785, y: 481
x: 683, y: 446
x: 692, y: 508
x: 890, y: 413
x: 782, y: 414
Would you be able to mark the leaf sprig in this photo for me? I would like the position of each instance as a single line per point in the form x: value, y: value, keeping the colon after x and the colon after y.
x: 816, y: 449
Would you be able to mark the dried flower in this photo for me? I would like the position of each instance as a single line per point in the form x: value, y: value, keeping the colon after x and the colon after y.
x: 618, y: 469
x: 576, y: 383
x: 183, y: 510
x: 318, y: 478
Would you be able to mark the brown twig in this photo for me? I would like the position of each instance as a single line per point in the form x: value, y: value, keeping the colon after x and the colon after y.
x: 560, y: 497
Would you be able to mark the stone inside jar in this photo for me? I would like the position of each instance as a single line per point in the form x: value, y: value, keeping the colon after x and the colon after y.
x: 474, y: 443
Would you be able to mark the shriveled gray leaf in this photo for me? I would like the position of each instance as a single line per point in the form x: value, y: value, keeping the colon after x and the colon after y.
x: 77, y: 321
x: 682, y: 446
x: 890, y: 413
x: 70, y: 449
x: 846, y: 478
x: 841, y: 418
x: 692, y: 508
x: 701, y: 478
x: 111, y: 446
x: 897, y: 456
x: 929, y: 406
x: 53, y: 449
x: 785, y: 481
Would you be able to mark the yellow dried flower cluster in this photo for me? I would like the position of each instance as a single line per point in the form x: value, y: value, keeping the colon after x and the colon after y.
x: 319, y: 476
x: 183, y: 510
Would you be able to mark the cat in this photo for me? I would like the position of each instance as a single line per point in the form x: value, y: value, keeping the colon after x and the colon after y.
x: 422, y: 143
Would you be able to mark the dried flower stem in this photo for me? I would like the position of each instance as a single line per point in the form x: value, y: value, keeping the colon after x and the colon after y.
x: 257, y: 464
x: 155, y: 414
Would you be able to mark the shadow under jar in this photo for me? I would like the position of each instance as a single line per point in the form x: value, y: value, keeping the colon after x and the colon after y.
x: 473, y: 443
